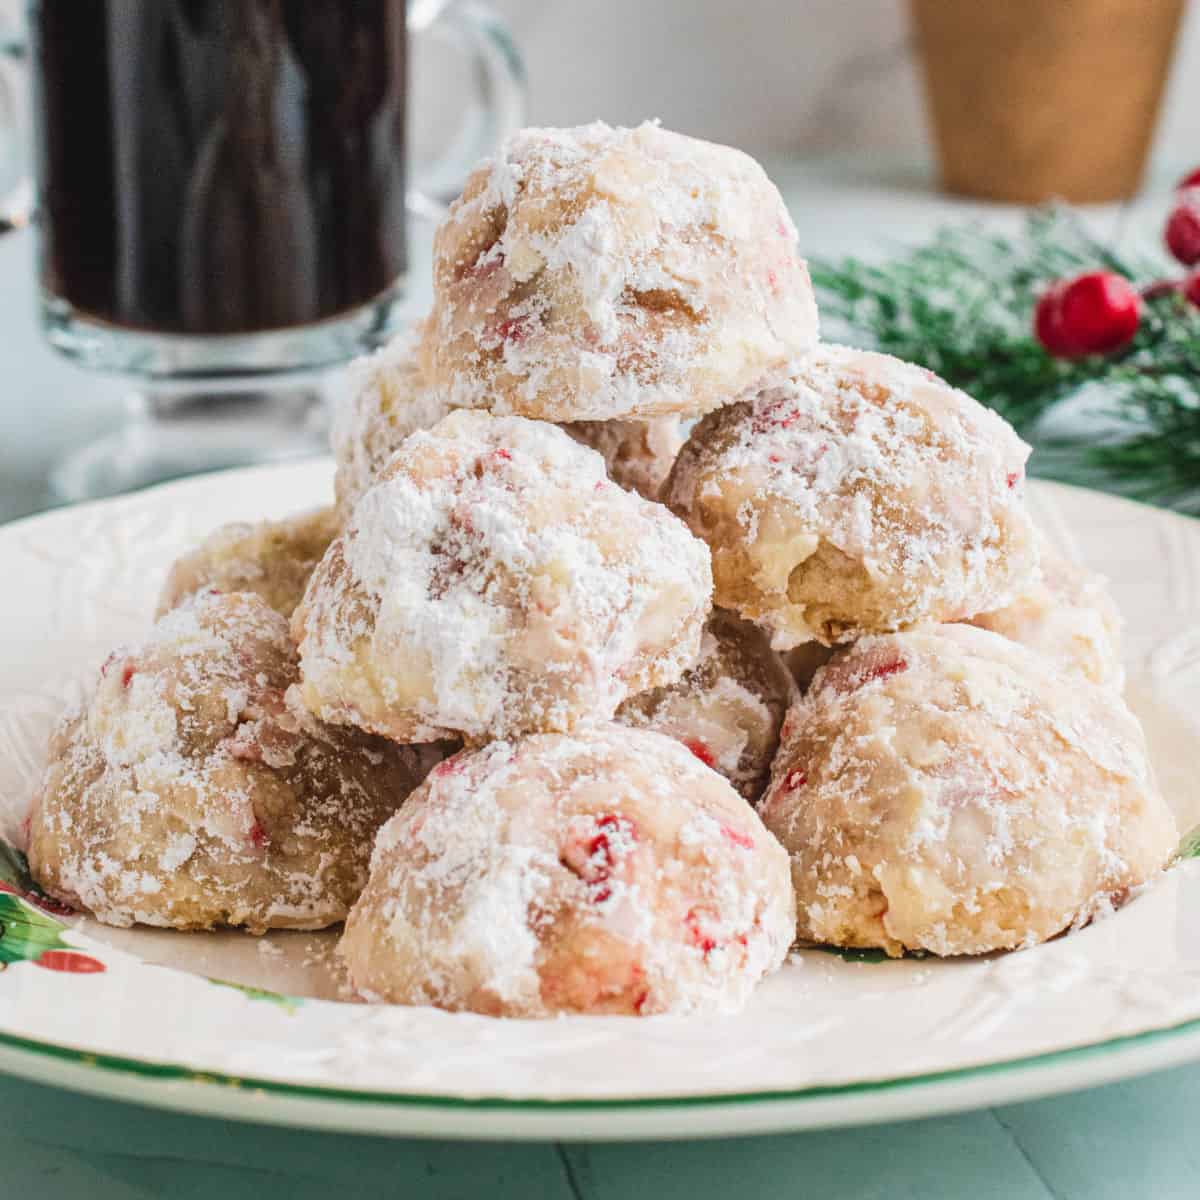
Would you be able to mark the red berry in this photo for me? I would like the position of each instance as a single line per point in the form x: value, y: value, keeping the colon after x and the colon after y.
x: 1094, y: 313
x: 1191, y: 288
x: 1182, y: 233
x: 1190, y: 181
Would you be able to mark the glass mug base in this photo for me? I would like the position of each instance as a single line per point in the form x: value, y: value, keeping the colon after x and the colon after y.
x: 176, y: 433
x: 152, y: 355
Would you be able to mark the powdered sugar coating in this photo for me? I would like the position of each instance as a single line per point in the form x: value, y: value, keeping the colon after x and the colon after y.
x: 272, y: 559
x: 596, y: 273
x: 728, y: 708
x: 1068, y: 617
x: 494, y: 581
x: 606, y: 872
x: 185, y: 794
x: 856, y: 494
x: 945, y: 790
x: 385, y: 397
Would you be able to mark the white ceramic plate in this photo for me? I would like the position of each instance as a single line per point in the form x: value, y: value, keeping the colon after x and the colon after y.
x: 826, y: 1041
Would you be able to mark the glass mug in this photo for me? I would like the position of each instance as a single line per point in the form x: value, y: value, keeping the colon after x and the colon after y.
x: 220, y: 185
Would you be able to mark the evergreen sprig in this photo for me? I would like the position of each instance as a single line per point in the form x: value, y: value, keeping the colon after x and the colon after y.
x: 962, y: 305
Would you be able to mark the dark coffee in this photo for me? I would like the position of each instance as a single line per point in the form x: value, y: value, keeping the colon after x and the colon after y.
x: 220, y: 166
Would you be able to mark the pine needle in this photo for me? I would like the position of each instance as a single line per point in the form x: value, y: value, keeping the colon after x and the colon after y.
x: 962, y: 306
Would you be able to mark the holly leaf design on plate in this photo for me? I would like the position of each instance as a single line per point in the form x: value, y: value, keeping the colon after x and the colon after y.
x: 289, y: 1004
x: 15, y: 878
x: 1189, y: 846
x: 26, y: 933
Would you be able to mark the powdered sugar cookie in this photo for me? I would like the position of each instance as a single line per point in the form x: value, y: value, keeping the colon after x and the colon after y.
x: 945, y: 790
x: 494, y: 581
x: 727, y: 709
x: 184, y: 794
x: 1066, y: 616
x: 385, y: 398
x: 605, y: 872
x: 272, y: 559
x: 597, y: 273
x: 856, y: 494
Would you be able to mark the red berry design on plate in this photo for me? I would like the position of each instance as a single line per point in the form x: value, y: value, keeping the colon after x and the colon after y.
x: 1182, y: 233
x: 70, y: 962
x: 1191, y: 180
x: 1191, y: 288
x: 1095, y: 313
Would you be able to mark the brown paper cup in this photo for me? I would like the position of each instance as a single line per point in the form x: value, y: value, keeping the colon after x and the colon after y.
x: 1036, y: 99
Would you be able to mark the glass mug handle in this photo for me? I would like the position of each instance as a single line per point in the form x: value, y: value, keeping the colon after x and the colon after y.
x: 16, y: 188
x: 493, y: 113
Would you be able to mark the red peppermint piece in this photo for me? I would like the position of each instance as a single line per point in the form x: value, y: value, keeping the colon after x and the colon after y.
x: 595, y: 858
x: 514, y: 330
x: 454, y: 765
x: 794, y: 780
x: 700, y: 937
x: 737, y: 837
x: 883, y: 670
x: 701, y: 751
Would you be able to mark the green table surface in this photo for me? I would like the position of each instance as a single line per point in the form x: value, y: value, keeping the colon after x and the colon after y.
x: 1129, y: 1140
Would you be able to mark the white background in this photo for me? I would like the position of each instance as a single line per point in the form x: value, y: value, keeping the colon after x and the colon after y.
x: 772, y: 76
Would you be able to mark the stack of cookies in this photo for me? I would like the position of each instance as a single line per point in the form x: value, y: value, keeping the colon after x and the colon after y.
x: 647, y: 634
